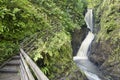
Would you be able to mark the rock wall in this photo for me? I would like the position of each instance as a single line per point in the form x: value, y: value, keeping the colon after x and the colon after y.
x: 106, y: 47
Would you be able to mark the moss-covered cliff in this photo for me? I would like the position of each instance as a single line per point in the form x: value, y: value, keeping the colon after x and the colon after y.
x: 106, y: 47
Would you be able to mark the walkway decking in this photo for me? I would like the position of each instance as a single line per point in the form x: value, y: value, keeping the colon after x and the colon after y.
x: 10, y: 70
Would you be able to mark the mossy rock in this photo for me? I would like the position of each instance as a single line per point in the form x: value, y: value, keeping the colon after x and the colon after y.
x: 106, y: 47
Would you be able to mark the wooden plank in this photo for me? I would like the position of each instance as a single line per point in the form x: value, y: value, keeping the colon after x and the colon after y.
x: 30, y: 76
x: 39, y: 74
x: 16, y: 57
x: 21, y: 73
x: 24, y: 75
x: 1, y: 66
x: 8, y: 71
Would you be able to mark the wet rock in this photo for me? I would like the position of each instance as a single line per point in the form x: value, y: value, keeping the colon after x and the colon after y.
x: 99, y: 52
x: 78, y: 35
x: 106, y: 59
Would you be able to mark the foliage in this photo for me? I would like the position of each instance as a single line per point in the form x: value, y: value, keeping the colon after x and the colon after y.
x: 8, y: 48
x: 75, y: 8
x: 15, y: 18
x: 94, y: 3
x: 109, y: 21
x: 52, y: 19
x: 49, y: 45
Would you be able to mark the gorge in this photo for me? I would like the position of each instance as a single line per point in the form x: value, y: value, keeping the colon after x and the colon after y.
x: 54, y: 22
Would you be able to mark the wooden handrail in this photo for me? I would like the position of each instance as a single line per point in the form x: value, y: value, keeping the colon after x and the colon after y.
x: 23, y: 73
x: 26, y: 68
x: 39, y: 74
x: 28, y: 40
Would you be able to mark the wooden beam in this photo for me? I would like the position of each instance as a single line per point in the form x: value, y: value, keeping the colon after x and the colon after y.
x: 23, y: 73
x: 30, y: 76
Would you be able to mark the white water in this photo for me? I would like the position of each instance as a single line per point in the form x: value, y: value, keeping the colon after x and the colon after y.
x: 89, y: 19
x: 81, y: 58
x: 82, y: 53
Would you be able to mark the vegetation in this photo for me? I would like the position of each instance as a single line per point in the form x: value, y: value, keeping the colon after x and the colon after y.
x: 107, y: 17
x: 16, y: 16
x: 53, y: 20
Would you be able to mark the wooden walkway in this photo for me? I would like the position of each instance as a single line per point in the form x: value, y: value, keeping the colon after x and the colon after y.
x: 21, y: 67
x: 10, y: 69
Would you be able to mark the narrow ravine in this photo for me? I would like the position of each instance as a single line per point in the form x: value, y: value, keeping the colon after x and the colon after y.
x: 81, y: 58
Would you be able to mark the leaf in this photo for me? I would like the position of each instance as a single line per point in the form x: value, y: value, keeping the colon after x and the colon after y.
x: 37, y: 56
x: 1, y: 27
x: 16, y: 10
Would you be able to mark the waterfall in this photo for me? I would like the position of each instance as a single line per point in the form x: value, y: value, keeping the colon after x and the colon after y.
x: 89, y: 19
x: 81, y: 58
x: 82, y: 52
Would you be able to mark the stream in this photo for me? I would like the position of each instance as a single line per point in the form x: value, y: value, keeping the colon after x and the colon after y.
x: 81, y: 59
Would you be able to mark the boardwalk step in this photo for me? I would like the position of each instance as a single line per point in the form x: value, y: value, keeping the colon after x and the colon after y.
x: 8, y: 71
x: 9, y: 76
x: 11, y: 67
x: 16, y: 57
x: 13, y: 63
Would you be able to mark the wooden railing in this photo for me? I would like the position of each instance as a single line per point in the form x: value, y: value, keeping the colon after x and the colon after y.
x: 28, y: 43
x: 28, y: 68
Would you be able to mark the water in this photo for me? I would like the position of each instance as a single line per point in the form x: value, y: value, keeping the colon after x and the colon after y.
x: 81, y: 58
x: 88, y: 68
x: 82, y: 52
x: 89, y: 19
